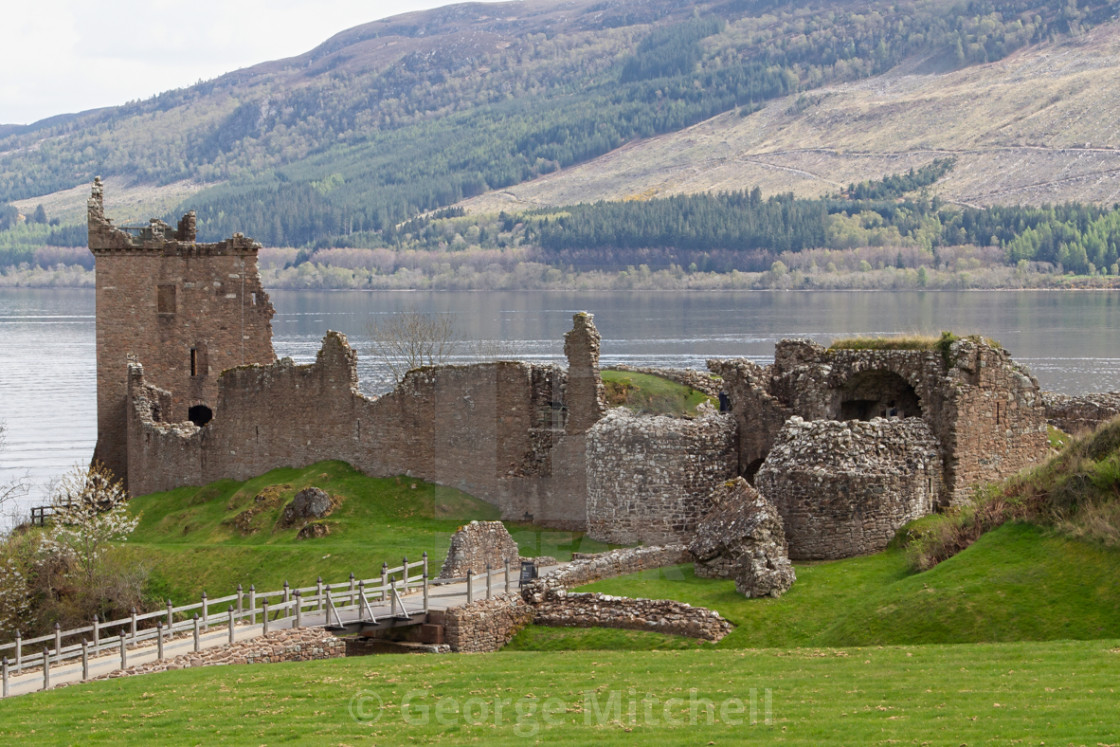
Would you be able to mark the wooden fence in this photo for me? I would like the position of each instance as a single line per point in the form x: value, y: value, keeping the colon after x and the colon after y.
x: 267, y: 607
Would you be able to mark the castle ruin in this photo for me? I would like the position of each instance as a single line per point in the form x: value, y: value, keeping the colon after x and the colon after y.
x: 847, y: 444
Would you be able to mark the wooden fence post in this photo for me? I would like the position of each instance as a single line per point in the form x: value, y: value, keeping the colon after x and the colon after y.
x: 424, y: 559
x: 124, y: 652
x: 134, y: 625
x: 159, y: 640
x: 404, y: 573
x: 425, y: 582
x: 58, y: 643
x: 197, y: 646
x: 489, y: 584
x: 46, y: 670
x: 4, y: 673
x: 85, y: 660
x: 351, y: 589
x: 19, y: 652
x: 299, y: 609
x: 264, y: 604
x: 252, y: 604
x: 170, y: 618
x: 384, y: 581
x: 240, y: 600
x: 507, y: 575
x: 96, y: 635
x: 287, y: 598
x: 319, y: 594
x: 470, y: 586
x: 231, y: 614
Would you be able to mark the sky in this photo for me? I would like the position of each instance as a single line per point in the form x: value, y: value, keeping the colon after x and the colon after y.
x: 62, y: 56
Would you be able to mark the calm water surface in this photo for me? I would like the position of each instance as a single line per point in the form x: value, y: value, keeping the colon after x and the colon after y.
x: 47, y: 374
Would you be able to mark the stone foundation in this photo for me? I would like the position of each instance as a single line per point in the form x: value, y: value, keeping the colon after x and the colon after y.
x: 485, y: 625
x: 566, y: 610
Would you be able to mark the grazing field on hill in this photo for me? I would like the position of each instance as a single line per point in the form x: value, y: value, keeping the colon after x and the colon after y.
x: 212, y: 538
x: 1058, y: 692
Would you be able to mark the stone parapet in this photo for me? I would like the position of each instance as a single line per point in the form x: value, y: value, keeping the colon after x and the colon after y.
x: 1083, y: 413
x: 589, y: 568
x: 568, y: 610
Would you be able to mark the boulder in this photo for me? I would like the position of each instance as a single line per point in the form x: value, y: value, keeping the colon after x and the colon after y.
x: 309, y: 503
x: 742, y: 538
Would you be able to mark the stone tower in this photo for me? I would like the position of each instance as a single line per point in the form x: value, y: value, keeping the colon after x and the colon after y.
x: 184, y: 310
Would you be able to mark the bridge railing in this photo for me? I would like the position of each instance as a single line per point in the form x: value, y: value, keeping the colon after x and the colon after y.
x: 280, y: 608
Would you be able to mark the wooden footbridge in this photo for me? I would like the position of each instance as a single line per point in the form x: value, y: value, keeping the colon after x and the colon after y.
x: 400, y: 597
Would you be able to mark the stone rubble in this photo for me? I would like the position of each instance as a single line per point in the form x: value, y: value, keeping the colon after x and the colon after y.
x: 478, y: 544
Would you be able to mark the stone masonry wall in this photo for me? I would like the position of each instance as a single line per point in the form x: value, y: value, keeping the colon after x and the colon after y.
x: 1081, y: 414
x: 610, y: 564
x: 184, y: 310
x: 984, y: 409
x: 568, y: 610
x: 499, y: 431
x: 649, y: 478
x: 478, y: 546
x: 303, y: 644
x: 485, y: 625
x: 845, y: 488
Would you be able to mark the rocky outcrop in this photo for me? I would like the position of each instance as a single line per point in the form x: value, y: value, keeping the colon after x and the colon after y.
x: 843, y: 488
x: 743, y: 538
x: 479, y: 545
x: 309, y: 503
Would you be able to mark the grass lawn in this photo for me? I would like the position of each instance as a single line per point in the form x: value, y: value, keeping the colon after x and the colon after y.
x: 188, y: 540
x: 1017, y: 583
x: 1014, y: 693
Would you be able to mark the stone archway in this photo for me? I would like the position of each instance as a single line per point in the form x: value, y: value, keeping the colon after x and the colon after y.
x: 877, y: 394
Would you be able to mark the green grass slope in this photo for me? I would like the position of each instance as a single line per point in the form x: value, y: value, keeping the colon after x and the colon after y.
x: 651, y: 395
x: 1018, y: 583
x: 189, y: 540
x: 1058, y: 693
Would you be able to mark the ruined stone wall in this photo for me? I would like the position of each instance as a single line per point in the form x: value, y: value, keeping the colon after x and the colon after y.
x: 610, y: 564
x: 593, y: 610
x: 844, y: 488
x: 185, y: 310
x: 995, y: 425
x: 1081, y: 414
x: 485, y: 625
x: 984, y: 409
x: 496, y: 430
x: 477, y: 547
x: 649, y: 478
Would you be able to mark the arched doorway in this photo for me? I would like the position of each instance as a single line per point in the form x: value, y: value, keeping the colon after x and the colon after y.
x: 200, y: 415
x: 877, y: 394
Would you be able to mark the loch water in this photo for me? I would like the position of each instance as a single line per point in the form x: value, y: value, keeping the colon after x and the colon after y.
x: 1068, y: 339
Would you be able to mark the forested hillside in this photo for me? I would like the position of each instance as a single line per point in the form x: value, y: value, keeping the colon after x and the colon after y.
x: 397, y: 117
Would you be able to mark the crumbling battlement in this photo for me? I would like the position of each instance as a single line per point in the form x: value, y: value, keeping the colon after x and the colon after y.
x: 984, y: 409
x: 186, y: 311
x: 499, y: 431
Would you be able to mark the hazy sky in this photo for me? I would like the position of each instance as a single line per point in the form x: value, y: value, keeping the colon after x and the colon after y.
x: 61, y: 56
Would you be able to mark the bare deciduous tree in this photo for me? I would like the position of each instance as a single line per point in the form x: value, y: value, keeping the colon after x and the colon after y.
x: 411, y: 340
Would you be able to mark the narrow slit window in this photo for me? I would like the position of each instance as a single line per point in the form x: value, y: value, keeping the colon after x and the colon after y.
x: 194, y: 362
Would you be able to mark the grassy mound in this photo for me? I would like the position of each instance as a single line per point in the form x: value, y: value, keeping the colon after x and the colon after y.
x: 1017, y: 583
x: 1077, y: 491
x: 214, y: 537
x: 1058, y: 692
x: 651, y: 395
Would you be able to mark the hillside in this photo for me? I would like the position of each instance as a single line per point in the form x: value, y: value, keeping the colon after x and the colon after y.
x: 1036, y: 127
x: 397, y: 117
